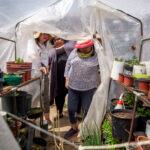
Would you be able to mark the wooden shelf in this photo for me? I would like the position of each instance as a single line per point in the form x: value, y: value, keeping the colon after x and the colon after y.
x: 144, y: 99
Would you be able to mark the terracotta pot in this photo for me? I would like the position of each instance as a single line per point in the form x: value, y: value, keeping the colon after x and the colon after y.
x: 121, y: 78
x: 149, y: 92
x: 25, y: 67
x: 128, y: 80
x: 143, y: 86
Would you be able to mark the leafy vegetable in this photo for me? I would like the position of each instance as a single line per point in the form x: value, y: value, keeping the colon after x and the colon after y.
x: 19, y: 60
x: 91, y: 136
x: 107, y: 132
x: 133, y: 61
x: 129, y: 99
x: 119, y: 59
x: 143, y: 112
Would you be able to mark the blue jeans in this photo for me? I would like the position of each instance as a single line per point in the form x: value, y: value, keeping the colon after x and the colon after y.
x: 74, y: 97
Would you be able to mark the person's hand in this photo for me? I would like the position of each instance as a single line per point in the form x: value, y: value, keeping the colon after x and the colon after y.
x: 44, y: 70
x: 67, y: 83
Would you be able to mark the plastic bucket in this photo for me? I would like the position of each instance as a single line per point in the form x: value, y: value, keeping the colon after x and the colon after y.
x: 116, y: 69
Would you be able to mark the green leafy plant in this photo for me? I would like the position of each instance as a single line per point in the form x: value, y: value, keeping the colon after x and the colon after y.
x: 143, y: 112
x: 19, y: 60
x: 91, y: 136
x: 107, y: 133
x: 133, y: 61
x: 119, y: 59
x: 129, y: 99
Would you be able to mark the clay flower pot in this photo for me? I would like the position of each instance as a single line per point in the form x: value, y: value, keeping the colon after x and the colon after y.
x: 128, y: 80
x: 143, y: 86
x: 149, y: 92
x: 121, y: 78
x: 24, y: 67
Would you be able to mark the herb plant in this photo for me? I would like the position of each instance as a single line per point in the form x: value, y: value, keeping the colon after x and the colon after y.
x: 107, y: 133
x: 129, y: 99
x: 143, y: 112
x: 91, y: 136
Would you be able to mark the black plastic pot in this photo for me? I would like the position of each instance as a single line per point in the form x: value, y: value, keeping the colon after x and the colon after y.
x: 141, y: 123
x: 113, y: 103
x: 22, y: 103
x: 40, y: 142
x: 8, y: 103
x: 35, y: 113
x: 29, y: 101
x: 121, y: 124
x: 128, y: 69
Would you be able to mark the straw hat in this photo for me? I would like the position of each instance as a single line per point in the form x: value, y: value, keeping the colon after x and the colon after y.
x: 36, y: 34
x: 84, y: 44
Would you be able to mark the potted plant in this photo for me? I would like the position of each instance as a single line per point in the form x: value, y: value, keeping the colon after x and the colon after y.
x: 143, y: 115
x: 129, y: 98
x: 117, y: 68
x: 121, y: 77
x: 20, y: 65
x: 149, y: 92
x: 128, y: 80
x: 121, y: 120
x: 128, y: 67
x: 142, y: 82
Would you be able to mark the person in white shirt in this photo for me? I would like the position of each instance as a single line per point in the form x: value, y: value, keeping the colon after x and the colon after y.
x: 43, y: 46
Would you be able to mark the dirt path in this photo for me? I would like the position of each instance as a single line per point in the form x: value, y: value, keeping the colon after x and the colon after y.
x: 60, y: 128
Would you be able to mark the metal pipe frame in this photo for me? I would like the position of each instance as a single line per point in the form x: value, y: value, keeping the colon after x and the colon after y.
x: 6, y: 39
x: 141, y: 30
x: 141, y: 46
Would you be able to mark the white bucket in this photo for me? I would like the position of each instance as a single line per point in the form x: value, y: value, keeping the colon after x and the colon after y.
x: 137, y: 69
x: 147, y: 131
x: 116, y: 69
x: 147, y: 64
x: 148, y: 69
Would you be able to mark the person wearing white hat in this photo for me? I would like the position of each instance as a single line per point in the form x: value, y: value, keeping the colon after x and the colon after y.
x: 43, y: 48
x: 82, y: 79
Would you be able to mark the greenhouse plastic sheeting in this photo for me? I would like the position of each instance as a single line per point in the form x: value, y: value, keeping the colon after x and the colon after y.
x: 79, y: 19
x: 7, y: 139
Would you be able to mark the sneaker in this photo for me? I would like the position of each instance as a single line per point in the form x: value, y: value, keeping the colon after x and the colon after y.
x: 70, y: 133
x: 60, y: 116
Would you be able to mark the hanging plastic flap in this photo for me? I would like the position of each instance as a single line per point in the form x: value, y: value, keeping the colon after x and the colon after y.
x: 7, y: 139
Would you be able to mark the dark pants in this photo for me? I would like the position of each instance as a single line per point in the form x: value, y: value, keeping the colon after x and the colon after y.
x: 61, y: 89
x: 60, y: 100
x: 74, y: 97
